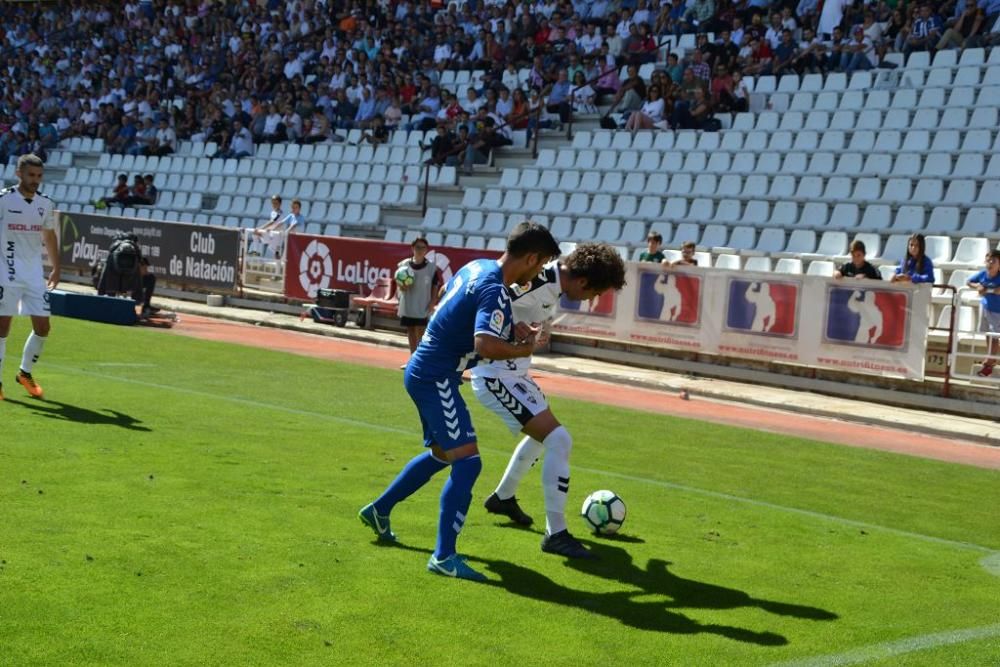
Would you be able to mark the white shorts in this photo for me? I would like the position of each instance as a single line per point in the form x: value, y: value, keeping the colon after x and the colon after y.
x: 20, y: 299
x: 989, y: 322
x: 515, y: 398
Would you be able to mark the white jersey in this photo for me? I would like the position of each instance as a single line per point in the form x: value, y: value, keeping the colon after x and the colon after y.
x: 21, y: 224
x: 534, y: 304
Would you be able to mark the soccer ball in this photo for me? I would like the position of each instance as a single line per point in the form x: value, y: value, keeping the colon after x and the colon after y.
x: 603, y: 512
x: 404, y: 276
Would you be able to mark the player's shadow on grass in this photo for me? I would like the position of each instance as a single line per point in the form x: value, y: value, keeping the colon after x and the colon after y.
x: 79, y: 415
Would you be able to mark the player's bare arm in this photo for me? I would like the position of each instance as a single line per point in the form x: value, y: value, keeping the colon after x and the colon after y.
x: 491, y: 347
x: 52, y: 248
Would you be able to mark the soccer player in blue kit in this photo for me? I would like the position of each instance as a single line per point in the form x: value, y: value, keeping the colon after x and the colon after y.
x: 473, y: 321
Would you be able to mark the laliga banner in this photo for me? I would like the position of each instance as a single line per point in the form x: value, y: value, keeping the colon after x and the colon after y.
x: 177, y: 252
x: 327, y: 262
x: 863, y: 326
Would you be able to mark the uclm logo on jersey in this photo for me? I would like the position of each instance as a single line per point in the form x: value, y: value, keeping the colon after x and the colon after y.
x: 765, y: 308
x: 602, y: 306
x: 669, y: 297
x: 868, y: 317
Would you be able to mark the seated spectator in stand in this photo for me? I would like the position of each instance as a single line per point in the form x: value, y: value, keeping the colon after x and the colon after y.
x: 724, y: 91
x: 119, y: 195
x: 274, y: 129
x: 444, y: 145
x: 649, y: 115
x: 583, y: 96
x: 240, y: 143
x: 965, y: 30
x: 687, y: 256
x: 784, y: 54
x: 378, y: 133
x: 858, y: 54
x: 652, y: 253
x: 318, y: 131
x: 811, y: 54
x: 152, y: 192
x: 393, y: 113
x: 987, y: 283
x: 609, y: 83
x: 858, y: 267
x: 124, y: 139
x: 674, y: 68
x: 165, y: 141
x: 558, y: 99
x: 137, y: 193
x: 632, y: 93
x: 145, y: 139
x: 926, y: 31
x: 916, y: 267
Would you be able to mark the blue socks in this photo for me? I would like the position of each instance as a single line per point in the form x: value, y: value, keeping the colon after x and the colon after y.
x: 455, y: 500
x: 414, y: 475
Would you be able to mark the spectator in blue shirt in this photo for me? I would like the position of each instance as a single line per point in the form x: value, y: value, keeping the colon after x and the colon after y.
x: 926, y: 31
x: 558, y: 100
x: 916, y: 267
x: 987, y: 283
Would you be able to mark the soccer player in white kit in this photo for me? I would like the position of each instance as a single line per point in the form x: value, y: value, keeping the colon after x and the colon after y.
x: 27, y: 219
x: 506, y: 388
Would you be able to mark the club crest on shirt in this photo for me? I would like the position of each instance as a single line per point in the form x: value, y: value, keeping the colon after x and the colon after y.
x: 497, y: 321
x: 41, y: 211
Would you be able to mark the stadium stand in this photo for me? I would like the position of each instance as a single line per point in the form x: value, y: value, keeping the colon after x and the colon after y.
x: 907, y: 143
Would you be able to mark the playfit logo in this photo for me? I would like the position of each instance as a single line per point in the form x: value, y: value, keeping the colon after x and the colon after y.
x: 671, y: 298
x: 869, y: 317
x: 763, y: 307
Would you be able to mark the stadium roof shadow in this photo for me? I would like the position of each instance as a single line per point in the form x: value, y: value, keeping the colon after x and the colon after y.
x: 80, y: 415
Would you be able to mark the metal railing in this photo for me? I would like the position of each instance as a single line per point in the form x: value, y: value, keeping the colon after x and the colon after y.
x: 973, y: 339
x: 262, y: 260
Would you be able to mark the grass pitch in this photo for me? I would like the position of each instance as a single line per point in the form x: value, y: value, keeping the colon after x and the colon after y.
x: 177, y: 502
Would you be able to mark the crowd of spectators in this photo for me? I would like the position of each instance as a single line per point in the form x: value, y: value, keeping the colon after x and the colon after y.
x: 144, y: 74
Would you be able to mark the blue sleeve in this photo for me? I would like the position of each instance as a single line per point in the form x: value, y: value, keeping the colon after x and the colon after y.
x: 928, y: 274
x: 977, y: 279
x: 493, y: 314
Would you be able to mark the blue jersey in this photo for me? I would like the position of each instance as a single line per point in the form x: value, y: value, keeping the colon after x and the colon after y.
x: 990, y: 302
x: 476, y: 301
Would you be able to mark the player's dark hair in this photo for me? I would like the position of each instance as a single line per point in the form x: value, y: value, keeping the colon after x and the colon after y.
x: 858, y: 246
x: 599, y: 263
x: 531, y: 238
x: 994, y: 253
x: 655, y: 236
x: 29, y: 160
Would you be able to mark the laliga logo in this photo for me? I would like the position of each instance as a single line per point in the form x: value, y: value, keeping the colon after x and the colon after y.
x: 315, y: 268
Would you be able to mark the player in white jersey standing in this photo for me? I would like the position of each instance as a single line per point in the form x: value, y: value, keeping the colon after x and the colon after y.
x: 27, y: 219
x: 506, y: 388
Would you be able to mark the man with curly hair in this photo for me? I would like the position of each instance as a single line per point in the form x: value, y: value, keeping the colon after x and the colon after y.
x: 506, y: 388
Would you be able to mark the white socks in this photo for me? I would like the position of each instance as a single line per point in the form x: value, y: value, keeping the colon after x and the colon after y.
x: 555, y: 474
x: 525, y: 455
x: 555, y: 478
x: 32, y: 350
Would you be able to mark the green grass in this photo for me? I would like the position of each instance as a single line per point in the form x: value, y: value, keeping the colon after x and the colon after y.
x: 201, y: 510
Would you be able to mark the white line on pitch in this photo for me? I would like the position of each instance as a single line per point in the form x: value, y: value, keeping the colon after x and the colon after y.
x: 897, y: 648
x: 633, y: 478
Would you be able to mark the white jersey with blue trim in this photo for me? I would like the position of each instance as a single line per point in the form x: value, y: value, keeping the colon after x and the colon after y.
x: 534, y: 303
x: 475, y: 301
x: 22, y: 221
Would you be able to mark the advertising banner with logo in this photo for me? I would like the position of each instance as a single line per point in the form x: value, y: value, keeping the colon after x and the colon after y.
x: 864, y: 327
x: 327, y: 262
x: 177, y: 252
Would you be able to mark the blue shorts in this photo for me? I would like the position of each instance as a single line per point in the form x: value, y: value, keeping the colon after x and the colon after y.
x: 443, y: 413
